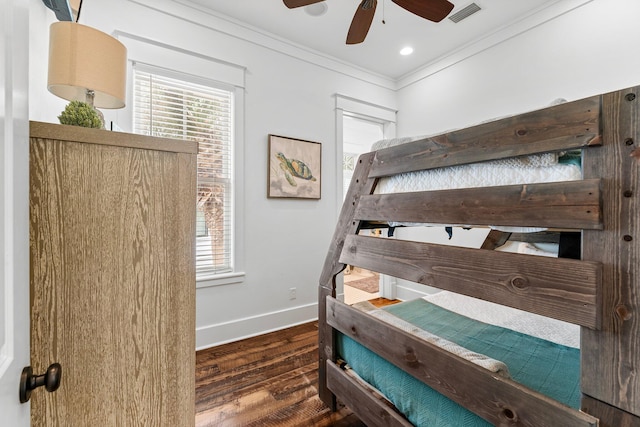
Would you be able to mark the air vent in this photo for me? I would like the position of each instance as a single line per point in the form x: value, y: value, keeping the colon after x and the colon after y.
x: 464, y: 13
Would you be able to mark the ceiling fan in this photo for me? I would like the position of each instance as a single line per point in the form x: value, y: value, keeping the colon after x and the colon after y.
x: 433, y: 10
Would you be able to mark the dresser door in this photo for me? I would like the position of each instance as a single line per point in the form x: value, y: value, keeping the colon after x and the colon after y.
x: 112, y: 283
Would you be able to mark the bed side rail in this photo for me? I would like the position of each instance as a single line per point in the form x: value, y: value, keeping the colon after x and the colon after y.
x: 564, y: 289
x: 567, y: 205
x: 498, y: 400
x: 373, y: 412
x: 563, y: 127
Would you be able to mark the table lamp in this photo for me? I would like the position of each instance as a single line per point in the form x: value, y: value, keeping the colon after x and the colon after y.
x: 86, y: 65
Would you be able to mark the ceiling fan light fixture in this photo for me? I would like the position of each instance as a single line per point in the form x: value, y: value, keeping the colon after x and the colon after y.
x: 316, y: 9
x: 405, y: 51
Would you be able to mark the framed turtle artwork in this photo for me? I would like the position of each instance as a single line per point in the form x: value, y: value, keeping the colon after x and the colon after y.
x: 294, y: 168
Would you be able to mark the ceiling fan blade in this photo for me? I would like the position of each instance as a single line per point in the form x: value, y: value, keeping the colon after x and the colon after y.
x: 361, y: 21
x: 433, y: 10
x: 292, y: 4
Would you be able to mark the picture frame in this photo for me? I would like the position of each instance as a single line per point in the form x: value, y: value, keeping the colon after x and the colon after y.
x: 294, y: 168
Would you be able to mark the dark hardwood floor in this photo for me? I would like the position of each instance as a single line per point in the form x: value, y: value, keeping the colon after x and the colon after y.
x: 269, y: 380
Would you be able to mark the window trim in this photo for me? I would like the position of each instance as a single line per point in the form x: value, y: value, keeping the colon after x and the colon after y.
x: 238, y: 249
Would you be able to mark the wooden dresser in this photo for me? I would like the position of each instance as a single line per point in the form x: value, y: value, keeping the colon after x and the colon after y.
x: 112, y: 242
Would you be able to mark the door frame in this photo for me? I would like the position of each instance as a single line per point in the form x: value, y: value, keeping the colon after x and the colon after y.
x: 346, y: 105
x: 14, y: 209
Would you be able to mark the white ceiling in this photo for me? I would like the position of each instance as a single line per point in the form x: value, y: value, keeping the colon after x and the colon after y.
x: 380, y: 51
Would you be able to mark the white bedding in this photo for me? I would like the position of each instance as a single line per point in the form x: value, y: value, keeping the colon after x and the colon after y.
x: 523, y: 170
x: 477, y: 175
x: 553, y: 330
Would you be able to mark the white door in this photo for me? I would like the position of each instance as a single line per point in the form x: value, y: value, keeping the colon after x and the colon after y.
x: 14, y: 208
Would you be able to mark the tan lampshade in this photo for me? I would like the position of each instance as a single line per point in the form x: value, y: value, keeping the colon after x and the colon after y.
x: 84, y: 59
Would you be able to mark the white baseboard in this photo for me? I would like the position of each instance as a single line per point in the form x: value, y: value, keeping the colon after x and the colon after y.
x: 235, y: 330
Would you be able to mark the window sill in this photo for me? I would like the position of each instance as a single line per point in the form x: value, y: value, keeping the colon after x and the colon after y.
x: 219, y: 280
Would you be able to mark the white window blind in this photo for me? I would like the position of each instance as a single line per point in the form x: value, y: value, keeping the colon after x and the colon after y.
x: 181, y: 109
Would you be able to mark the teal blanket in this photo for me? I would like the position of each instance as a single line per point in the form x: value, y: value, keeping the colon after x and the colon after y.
x: 549, y: 368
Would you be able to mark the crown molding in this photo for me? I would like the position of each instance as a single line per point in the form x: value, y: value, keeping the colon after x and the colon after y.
x: 206, y: 18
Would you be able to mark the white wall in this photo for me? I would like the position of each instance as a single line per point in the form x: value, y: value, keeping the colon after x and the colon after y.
x: 286, y: 94
x: 590, y: 50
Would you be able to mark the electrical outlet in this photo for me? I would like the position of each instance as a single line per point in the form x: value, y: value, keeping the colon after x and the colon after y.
x: 292, y: 293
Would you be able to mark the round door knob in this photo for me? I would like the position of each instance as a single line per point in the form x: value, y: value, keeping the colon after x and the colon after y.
x: 50, y: 380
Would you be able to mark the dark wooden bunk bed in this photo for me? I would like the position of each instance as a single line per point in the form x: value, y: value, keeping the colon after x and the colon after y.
x: 603, y: 206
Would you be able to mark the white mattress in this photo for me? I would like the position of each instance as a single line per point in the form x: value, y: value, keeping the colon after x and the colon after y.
x: 553, y: 330
x: 524, y: 170
x: 476, y: 175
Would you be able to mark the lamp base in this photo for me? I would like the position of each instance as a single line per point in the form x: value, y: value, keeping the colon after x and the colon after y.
x: 89, y: 96
x: 101, y: 117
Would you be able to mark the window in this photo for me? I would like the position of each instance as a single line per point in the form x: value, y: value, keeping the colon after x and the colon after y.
x: 177, y: 106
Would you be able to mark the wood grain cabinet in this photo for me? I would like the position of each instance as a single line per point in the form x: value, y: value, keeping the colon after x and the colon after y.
x: 112, y: 219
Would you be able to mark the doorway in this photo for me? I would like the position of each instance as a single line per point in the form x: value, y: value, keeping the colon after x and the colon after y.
x: 358, y: 135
